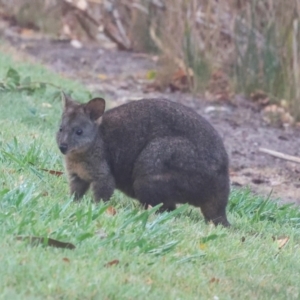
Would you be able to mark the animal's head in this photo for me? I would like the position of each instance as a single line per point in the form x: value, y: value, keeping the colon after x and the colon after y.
x: 79, y: 124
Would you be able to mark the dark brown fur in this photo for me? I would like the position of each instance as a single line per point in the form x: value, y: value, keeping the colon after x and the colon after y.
x: 154, y: 150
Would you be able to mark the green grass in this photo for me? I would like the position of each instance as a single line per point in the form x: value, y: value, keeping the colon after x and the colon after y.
x: 160, y: 256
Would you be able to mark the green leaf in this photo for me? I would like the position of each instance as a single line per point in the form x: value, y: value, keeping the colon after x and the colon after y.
x: 13, y: 75
x: 42, y: 87
x: 164, y: 248
x: 191, y: 258
x: 211, y: 237
x: 151, y: 74
x: 26, y: 81
x: 10, y: 85
x: 56, y: 95
x: 84, y: 236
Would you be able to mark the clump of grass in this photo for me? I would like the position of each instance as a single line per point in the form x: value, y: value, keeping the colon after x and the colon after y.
x: 261, y: 209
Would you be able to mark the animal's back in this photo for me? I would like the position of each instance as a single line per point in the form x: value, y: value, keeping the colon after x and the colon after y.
x: 128, y: 129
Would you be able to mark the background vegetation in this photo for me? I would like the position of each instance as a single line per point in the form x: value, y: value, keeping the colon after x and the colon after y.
x: 232, y: 46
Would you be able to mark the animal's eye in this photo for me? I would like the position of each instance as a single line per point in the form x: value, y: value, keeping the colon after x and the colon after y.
x: 60, y: 129
x: 78, y: 131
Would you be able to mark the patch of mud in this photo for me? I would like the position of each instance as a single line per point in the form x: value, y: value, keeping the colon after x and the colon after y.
x: 121, y: 77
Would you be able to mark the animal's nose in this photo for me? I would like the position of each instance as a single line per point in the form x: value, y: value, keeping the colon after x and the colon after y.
x: 63, y: 148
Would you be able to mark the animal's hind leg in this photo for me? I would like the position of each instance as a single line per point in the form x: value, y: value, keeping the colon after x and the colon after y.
x: 162, y: 172
x: 153, y: 190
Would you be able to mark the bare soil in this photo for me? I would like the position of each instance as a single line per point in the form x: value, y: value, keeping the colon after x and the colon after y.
x: 121, y: 76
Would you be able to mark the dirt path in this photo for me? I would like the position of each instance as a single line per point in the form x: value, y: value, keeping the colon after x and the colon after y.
x: 120, y: 76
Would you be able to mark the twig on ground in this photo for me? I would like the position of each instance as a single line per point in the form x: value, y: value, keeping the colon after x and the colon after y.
x: 280, y: 155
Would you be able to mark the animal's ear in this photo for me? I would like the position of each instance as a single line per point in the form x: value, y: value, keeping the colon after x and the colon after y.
x: 67, y: 101
x: 95, y: 108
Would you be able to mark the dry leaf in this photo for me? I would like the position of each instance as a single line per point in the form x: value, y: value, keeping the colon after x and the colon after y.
x: 260, y: 97
x: 111, y: 210
x: 214, y: 280
x: 282, y: 242
x: 34, y: 135
x: 45, y: 104
x: 259, y: 180
x: 181, y: 81
x: 202, y: 246
x: 101, y: 234
x: 277, y: 116
x: 35, y: 240
x: 27, y: 32
x: 112, y: 263
x: 102, y: 76
x: 53, y: 172
x: 65, y: 259
x: 76, y: 44
x: 9, y: 171
x: 152, y: 87
x: 149, y: 281
x: 219, y: 89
